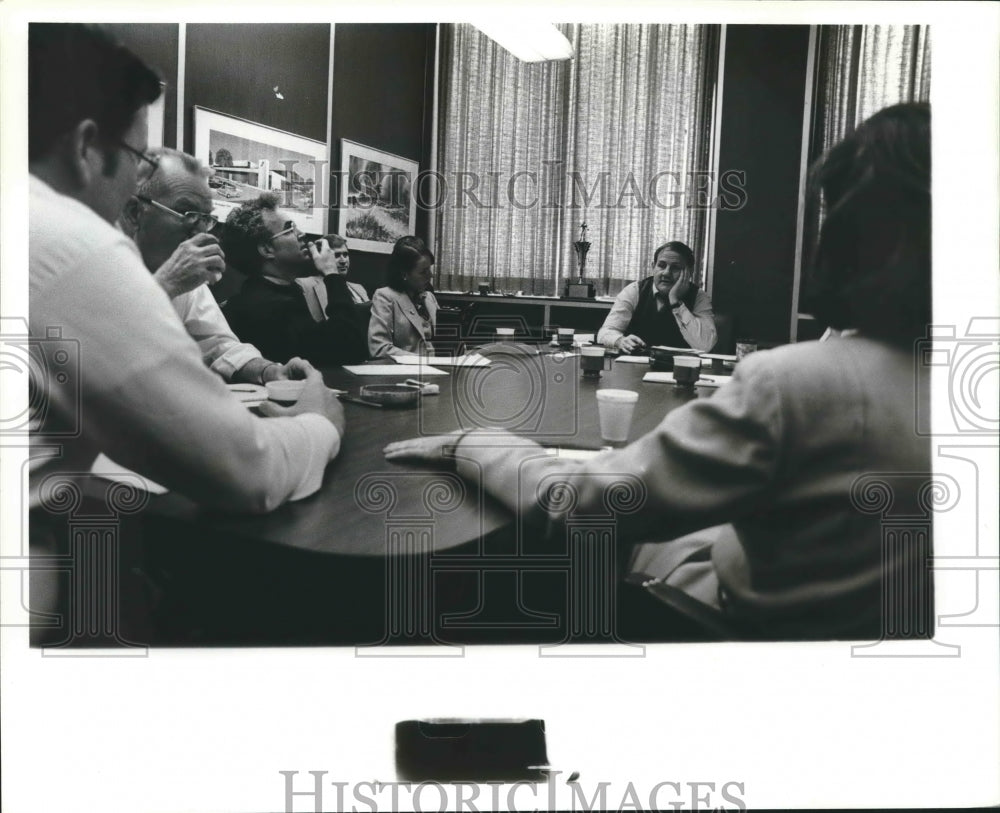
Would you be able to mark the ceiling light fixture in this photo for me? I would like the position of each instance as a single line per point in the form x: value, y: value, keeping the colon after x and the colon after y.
x: 529, y: 42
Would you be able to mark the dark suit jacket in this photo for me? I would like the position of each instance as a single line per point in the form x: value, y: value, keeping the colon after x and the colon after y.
x: 276, y: 319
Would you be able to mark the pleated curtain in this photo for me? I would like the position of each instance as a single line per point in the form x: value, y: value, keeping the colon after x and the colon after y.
x: 530, y: 152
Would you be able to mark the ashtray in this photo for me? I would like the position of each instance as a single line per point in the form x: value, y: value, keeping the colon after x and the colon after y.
x: 390, y: 395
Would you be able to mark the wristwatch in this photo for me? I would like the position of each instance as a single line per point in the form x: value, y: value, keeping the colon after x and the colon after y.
x: 676, y: 305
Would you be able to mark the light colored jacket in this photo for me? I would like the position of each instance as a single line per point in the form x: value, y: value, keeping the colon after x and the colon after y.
x: 807, y: 452
x: 396, y: 329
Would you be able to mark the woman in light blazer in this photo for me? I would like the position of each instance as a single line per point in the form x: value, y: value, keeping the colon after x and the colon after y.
x: 404, y: 312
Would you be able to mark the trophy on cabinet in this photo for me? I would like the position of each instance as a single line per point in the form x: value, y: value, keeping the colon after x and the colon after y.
x: 581, y: 289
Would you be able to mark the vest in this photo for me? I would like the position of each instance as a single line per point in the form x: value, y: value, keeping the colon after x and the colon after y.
x: 657, y: 327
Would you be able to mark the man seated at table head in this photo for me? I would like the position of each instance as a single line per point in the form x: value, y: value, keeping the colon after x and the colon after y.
x: 665, y: 308
x: 170, y: 218
x: 404, y: 312
x: 341, y: 254
x: 141, y: 393
x: 280, y: 307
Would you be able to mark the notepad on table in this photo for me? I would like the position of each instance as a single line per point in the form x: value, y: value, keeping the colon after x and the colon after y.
x: 572, y: 454
x: 250, y: 395
x: 668, y: 378
x: 106, y: 468
x: 469, y: 360
x: 393, y: 369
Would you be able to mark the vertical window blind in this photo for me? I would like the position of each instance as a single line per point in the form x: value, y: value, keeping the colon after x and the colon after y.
x: 530, y: 151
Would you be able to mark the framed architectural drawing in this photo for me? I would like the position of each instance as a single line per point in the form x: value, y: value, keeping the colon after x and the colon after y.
x: 378, y: 203
x: 247, y: 159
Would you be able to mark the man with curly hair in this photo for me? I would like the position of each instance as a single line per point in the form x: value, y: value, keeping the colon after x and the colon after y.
x: 278, y: 309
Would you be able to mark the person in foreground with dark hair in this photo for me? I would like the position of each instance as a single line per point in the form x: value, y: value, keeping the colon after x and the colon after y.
x: 141, y: 394
x: 665, y: 308
x: 784, y: 451
x: 404, y: 312
x: 279, y: 309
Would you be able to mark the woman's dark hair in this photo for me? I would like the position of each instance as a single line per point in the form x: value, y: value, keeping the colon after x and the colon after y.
x: 872, y: 265
x: 678, y: 248
x: 78, y: 72
x: 405, y: 254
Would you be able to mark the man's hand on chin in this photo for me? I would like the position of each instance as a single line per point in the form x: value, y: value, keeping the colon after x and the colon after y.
x: 322, y: 257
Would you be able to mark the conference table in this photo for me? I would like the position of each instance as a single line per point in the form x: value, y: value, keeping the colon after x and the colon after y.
x: 407, y: 544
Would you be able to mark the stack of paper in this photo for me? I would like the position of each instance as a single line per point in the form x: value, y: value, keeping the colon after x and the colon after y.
x: 107, y: 468
x: 469, y: 360
x: 668, y: 378
x: 393, y: 369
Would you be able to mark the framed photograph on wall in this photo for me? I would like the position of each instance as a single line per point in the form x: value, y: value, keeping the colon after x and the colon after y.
x: 248, y: 158
x: 377, y: 200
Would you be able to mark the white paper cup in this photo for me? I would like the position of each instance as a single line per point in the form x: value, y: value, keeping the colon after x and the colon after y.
x: 614, y: 409
x: 505, y: 331
x: 284, y: 391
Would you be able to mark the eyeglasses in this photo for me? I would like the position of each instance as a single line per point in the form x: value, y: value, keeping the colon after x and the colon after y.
x: 141, y: 156
x: 289, y: 227
x: 195, y: 221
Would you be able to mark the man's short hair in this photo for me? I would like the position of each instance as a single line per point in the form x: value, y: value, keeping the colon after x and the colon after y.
x: 245, y: 230
x: 78, y: 72
x: 679, y: 248
x: 151, y: 181
x: 334, y: 240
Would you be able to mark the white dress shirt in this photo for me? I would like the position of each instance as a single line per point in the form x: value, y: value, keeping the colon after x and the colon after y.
x: 141, y: 392
x: 221, y: 350
x: 697, y: 325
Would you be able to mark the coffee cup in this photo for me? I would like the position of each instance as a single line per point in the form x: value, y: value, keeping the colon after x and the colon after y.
x: 565, y: 336
x: 592, y: 360
x: 719, y: 361
x: 505, y: 333
x: 614, y: 411
x: 687, y: 370
x: 284, y: 391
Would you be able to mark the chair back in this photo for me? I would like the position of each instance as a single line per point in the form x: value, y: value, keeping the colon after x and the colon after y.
x: 725, y: 341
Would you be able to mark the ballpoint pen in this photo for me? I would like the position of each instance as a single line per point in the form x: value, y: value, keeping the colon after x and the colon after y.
x: 353, y: 400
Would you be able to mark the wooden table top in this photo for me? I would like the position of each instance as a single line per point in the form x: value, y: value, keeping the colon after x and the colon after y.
x: 543, y: 397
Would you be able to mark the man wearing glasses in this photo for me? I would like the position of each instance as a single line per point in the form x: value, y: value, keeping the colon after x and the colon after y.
x: 273, y: 309
x: 169, y: 218
x: 138, y: 390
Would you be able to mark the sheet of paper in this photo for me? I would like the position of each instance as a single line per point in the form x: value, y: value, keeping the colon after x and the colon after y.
x: 469, y: 360
x: 573, y: 454
x: 705, y: 362
x: 107, y: 468
x: 668, y: 378
x: 250, y: 395
x: 393, y: 369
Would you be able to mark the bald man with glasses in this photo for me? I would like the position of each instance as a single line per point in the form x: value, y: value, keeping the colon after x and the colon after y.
x: 170, y: 219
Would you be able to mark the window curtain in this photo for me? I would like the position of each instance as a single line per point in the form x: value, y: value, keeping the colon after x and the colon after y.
x: 610, y: 138
x: 860, y: 70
